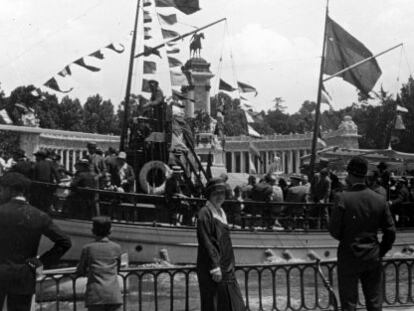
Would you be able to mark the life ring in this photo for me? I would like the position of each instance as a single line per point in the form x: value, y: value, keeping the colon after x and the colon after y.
x: 145, y: 171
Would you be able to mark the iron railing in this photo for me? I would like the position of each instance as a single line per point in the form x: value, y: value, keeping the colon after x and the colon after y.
x: 276, y: 286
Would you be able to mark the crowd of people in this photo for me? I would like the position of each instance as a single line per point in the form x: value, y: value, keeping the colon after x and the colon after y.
x: 94, y: 169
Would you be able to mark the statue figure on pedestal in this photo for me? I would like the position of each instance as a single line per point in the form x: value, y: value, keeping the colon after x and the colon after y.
x: 195, y: 45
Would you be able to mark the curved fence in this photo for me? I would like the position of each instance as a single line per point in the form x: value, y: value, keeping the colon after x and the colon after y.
x: 281, y: 286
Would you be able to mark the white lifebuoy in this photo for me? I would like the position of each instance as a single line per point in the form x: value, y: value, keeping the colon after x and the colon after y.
x: 143, y: 177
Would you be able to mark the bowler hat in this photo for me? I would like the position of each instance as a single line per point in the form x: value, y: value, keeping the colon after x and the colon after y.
x: 358, y: 166
x: 215, y: 185
x: 40, y: 153
x: 15, y: 181
x: 152, y: 81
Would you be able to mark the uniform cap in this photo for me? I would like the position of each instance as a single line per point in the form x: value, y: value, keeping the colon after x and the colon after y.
x: 122, y: 155
x: 358, y: 166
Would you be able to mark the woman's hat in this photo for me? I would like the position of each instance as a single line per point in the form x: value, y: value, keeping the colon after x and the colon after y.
x: 215, y: 185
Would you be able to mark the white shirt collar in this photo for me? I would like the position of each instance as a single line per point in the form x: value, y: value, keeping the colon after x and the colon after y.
x: 222, y: 218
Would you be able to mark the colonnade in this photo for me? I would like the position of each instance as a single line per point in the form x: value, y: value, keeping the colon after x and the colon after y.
x: 242, y: 161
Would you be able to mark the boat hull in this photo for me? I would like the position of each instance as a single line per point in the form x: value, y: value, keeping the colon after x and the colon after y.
x: 181, y: 242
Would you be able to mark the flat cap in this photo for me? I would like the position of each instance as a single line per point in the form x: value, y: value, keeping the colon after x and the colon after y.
x: 215, y: 185
x: 15, y: 180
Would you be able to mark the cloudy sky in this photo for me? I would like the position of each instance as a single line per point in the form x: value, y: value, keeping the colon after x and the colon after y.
x: 274, y: 45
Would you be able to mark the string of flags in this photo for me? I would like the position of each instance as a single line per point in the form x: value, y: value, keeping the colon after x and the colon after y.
x: 53, y: 84
x: 241, y: 86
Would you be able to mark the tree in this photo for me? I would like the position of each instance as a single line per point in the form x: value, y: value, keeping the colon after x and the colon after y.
x: 278, y: 104
x: 70, y: 114
x: 91, y: 114
x: 107, y: 120
x: 47, y: 111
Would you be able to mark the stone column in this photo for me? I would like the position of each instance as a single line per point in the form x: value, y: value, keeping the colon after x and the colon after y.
x: 282, y: 161
x: 189, y: 104
x: 297, y: 161
x: 67, y: 160
x: 233, y: 162
x: 242, y: 163
x: 290, y: 161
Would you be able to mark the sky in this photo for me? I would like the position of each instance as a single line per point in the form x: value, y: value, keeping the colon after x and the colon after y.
x: 273, y: 45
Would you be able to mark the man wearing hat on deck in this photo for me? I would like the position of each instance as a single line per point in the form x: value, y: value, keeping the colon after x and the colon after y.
x: 96, y: 163
x: 21, y: 164
x: 384, y: 176
x: 82, y: 203
x: 175, y: 189
x: 124, y: 175
x: 157, y: 105
x: 21, y: 228
x: 356, y: 217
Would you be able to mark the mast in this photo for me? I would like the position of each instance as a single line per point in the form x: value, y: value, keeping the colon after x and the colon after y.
x: 318, y: 101
x: 124, y: 131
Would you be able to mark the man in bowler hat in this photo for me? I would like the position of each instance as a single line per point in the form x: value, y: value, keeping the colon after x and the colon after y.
x: 356, y: 217
x: 21, y: 227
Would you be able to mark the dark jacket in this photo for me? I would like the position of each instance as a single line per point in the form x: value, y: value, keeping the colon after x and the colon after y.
x: 99, y: 262
x: 297, y: 194
x: 21, y: 227
x: 24, y: 167
x: 45, y: 171
x: 356, y: 217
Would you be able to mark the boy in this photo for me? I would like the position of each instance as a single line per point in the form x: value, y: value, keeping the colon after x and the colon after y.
x: 100, y: 262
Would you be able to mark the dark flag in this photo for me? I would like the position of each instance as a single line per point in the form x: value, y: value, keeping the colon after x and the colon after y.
x: 173, y: 50
x: 245, y: 88
x: 52, y: 83
x: 150, y: 67
x: 65, y: 71
x: 81, y: 62
x: 342, y: 51
x: 185, y: 6
x: 168, y: 34
x: 147, y: 17
x: 119, y: 50
x: 173, y: 62
x: 168, y: 19
x: 149, y: 50
x: 98, y: 54
x: 147, y: 3
x: 147, y: 33
x: 224, y: 86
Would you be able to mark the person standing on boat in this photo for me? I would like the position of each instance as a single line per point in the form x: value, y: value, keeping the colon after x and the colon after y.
x: 124, y: 175
x: 157, y: 105
x: 356, y: 217
x: 21, y: 228
x: 219, y: 290
x: 96, y: 163
x: 174, y: 191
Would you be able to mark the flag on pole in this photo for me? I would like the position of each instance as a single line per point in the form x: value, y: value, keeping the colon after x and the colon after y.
x: 185, y: 6
x: 147, y: 3
x: 147, y: 34
x: 52, y: 83
x: 4, y: 116
x: 399, y: 123
x: 149, y: 50
x: 173, y: 62
x: 168, y: 34
x: 342, y: 51
x: 252, y: 132
x: 81, y: 62
x: 150, y: 67
x: 167, y: 19
x: 246, y: 88
x: 249, y: 118
x: 178, y: 78
x: 147, y: 17
x: 172, y: 50
x: 224, y: 86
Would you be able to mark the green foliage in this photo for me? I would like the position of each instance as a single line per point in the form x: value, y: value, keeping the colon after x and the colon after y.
x: 71, y: 114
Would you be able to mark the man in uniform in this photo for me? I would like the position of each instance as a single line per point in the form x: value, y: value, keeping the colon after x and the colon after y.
x: 96, y: 163
x: 157, y: 105
x: 356, y: 217
x: 21, y: 228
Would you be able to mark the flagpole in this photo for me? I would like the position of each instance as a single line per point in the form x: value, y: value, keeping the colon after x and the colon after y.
x: 361, y: 62
x: 318, y: 101
x: 182, y: 36
x: 124, y: 131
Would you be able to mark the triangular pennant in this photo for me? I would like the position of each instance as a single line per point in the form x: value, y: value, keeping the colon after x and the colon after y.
x: 168, y: 34
x: 326, y: 97
x: 65, y: 71
x: 81, y: 62
x: 167, y: 19
x: 52, y: 83
x: 147, y: 3
x: 173, y: 62
x: 149, y: 67
x: 119, y: 50
x: 98, y: 54
x: 147, y: 17
x: 149, y: 50
x: 173, y: 50
x: 4, y: 116
x: 145, y: 86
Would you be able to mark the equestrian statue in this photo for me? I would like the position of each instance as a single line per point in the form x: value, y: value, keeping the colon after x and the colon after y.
x: 195, y: 45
